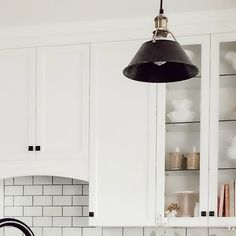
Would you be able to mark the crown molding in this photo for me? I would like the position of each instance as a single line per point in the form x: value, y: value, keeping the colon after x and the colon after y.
x: 188, y: 23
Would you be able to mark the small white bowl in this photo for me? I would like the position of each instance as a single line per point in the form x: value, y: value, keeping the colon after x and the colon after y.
x: 231, y: 152
x: 231, y: 58
x: 183, y: 116
x: 182, y: 105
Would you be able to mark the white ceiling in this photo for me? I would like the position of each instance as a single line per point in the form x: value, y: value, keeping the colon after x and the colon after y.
x: 31, y: 12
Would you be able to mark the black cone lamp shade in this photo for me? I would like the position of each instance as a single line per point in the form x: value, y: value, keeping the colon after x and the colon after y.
x: 161, y: 60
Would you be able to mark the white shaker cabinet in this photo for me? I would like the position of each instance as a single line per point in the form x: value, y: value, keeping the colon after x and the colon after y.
x: 44, y: 121
x: 62, y: 102
x: 17, y: 103
x: 123, y: 134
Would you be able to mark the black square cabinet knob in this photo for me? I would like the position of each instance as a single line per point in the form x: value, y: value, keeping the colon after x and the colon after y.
x: 91, y: 214
x: 203, y: 213
x: 211, y: 213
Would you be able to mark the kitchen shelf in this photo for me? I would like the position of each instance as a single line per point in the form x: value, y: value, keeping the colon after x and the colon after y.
x: 227, y: 124
x: 181, y: 172
x: 191, y: 126
x: 225, y: 121
x: 183, y: 122
x: 227, y: 80
x: 227, y: 168
x: 194, y: 83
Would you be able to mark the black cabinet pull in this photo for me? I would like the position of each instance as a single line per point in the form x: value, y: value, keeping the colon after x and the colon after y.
x: 37, y: 148
x: 91, y: 214
x: 211, y: 213
x: 203, y: 213
x: 30, y: 148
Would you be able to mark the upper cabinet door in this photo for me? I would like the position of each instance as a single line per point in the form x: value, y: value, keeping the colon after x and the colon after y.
x: 123, y: 129
x: 223, y: 130
x: 17, y: 103
x: 183, y: 141
x: 63, y: 102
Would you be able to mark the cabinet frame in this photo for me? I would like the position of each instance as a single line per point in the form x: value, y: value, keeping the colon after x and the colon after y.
x: 42, y: 53
x: 204, y: 41
x: 216, y: 39
x: 97, y: 219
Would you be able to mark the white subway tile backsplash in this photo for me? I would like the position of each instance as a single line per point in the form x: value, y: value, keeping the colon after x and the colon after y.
x: 46, y: 204
x: 62, y: 221
x: 61, y: 180
x: 42, y: 221
x: 77, y: 181
x: 175, y: 232
x: 85, y: 190
x: 154, y: 232
x: 23, y: 201
x: 52, y: 190
x: 33, y: 211
x: 33, y: 190
x: 26, y: 180
x: 26, y: 220
x: 38, y: 231
x: 42, y: 200
x: 62, y: 200
x: 133, y: 232
x: 112, y: 232
x: 92, y: 232
x: 72, y: 232
x: 72, y: 190
x: 8, y: 181
x: 80, y: 221
x: 218, y: 232
x: 8, y: 201
x: 85, y: 211
x: 12, y: 232
x: 42, y: 179
x: 13, y: 190
x: 52, y: 211
x: 72, y: 211
x: 13, y: 211
x: 197, y: 232
x: 52, y: 231
x: 80, y: 200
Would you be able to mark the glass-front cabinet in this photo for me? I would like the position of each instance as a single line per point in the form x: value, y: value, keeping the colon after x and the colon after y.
x: 182, y: 141
x: 222, y: 181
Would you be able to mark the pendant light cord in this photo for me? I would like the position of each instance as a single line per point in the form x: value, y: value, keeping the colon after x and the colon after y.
x: 161, y: 11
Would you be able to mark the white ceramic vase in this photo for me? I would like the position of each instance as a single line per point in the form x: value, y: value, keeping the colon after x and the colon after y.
x: 231, y: 152
x: 231, y: 58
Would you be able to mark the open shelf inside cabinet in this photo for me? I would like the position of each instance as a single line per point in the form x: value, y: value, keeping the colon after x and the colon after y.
x: 191, y: 126
x: 228, y: 80
x: 181, y: 172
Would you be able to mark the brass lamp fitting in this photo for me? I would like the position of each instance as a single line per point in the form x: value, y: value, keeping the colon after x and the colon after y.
x: 161, y: 26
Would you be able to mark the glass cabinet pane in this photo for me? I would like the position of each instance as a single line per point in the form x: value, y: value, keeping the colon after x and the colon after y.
x: 227, y: 130
x: 183, y: 149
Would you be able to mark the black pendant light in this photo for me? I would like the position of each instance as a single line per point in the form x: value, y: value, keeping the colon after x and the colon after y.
x: 161, y: 60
